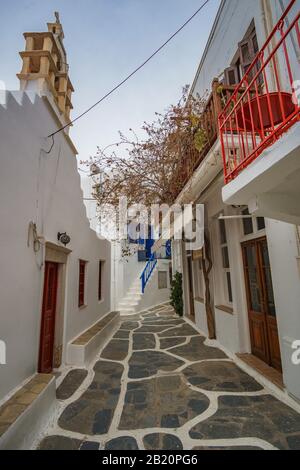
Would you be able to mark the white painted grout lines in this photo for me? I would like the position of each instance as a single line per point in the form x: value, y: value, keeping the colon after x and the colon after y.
x: 119, y: 408
x: 182, y: 432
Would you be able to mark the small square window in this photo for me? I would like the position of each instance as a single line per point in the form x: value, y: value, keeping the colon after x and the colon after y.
x: 222, y: 231
x: 247, y: 223
x: 261, y: 225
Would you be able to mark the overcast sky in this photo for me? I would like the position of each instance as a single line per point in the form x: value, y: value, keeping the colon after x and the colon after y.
x: 105, y: 40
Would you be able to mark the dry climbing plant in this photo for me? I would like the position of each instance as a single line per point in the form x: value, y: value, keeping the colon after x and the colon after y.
x: 153, y: 169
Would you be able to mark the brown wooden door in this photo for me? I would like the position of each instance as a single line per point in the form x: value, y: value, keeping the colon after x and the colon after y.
x: 190, y: 286
x: 260, y: 299
x: 48, y: 318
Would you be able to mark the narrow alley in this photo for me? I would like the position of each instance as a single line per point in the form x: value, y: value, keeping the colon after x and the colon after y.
x: 150, y: 216
x: 158, y: 384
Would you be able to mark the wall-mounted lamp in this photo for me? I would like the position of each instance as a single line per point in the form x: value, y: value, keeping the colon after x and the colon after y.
x: 63, y: 238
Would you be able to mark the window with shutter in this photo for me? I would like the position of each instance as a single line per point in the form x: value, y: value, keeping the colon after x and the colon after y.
x: 255, y: 43
x: 246, y: 54
x: 248, y: 50
x: 232, y: 76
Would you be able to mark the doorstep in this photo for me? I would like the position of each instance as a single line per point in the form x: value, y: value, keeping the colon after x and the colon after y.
x: 24, y: 414
x: 262, y: 368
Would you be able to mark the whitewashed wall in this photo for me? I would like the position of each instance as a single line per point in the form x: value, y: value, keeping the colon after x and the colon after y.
x: 230, y: 327
x: 232, y: 22
x: 233, y: 329
x: 132, y: 268
x: 284, y: 259
x: 177, y: 256
x: 125, y: 271
x: 153, y: 295
x: 234, y: 18
x: 200, y: 317
x: 90, y: 203
x: 43, y: 188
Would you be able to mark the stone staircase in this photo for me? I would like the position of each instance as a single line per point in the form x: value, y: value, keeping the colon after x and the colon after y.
x: 130, y: 303
x: 133, y: 302
x: 145, y: 291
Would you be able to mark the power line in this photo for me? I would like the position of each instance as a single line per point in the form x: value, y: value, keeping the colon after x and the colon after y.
x: 134, y: 71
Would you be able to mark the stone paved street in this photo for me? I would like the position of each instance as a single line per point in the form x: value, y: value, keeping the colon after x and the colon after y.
x: 157, y: 384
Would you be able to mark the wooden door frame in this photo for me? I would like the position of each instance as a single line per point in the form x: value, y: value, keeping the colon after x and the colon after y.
x: 269, y: 318
x: 42, y: 324
x: 263, y: 291
x: 59, y: 254
x: 250, y: 311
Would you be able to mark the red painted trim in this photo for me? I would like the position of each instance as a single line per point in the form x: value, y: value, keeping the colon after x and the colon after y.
x: 254, y: 114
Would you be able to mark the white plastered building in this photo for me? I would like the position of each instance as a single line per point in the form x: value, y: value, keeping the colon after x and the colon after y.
x: 253, y: 220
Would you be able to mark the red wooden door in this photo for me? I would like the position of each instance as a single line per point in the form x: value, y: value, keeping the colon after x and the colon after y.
x: 48, y: 318
x: 261, y: 307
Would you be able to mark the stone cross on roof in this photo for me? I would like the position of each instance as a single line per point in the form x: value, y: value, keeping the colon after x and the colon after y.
x: 57, y: 17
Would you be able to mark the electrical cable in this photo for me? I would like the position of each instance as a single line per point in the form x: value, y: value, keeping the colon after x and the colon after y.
x: 132, y: 73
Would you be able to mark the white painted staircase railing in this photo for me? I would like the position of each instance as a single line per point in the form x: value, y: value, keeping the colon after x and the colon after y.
x: 130, y: 304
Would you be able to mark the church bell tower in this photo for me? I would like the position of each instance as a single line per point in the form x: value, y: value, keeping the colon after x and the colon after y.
x: 45, y: 68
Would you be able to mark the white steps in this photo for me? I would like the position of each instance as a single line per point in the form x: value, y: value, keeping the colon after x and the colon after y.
x: 129, y: 305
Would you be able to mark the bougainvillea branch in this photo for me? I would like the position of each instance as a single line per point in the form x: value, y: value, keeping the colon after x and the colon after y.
x: 153, y: 169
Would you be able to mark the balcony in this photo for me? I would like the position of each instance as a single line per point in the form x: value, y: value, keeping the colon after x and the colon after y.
x: 262, y: 109
x: 220, y: 94
x: 260, y: 127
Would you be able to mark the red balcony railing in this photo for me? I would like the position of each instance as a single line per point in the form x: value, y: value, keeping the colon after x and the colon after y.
x: 191, y: 159
x: 264, y: 105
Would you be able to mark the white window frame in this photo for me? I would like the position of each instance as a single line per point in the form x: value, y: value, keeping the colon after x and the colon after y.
x: 256, y: 232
